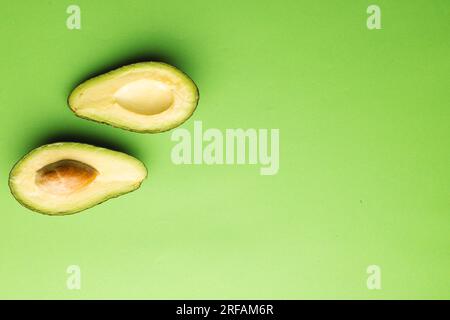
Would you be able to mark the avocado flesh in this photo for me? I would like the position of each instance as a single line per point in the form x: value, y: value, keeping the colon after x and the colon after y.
x: 142, y: 97
x: 64, y: 178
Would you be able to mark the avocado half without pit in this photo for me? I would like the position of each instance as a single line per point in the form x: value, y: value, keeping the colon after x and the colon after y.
x: 68, y: 177
x: 143, y: 97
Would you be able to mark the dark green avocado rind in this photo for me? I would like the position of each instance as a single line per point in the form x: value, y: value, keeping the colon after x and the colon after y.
x: 65, y: 213
x: 124, y: 68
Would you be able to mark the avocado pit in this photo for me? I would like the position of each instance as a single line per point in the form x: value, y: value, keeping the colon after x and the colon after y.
x: 65, y: 177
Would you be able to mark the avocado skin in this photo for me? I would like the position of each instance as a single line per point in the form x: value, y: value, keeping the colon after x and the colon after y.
x: 70, y: 212
x: 67, y: 213
x: 122, y: 69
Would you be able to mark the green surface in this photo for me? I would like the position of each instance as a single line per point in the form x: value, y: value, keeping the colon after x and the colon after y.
x: 364, y: 157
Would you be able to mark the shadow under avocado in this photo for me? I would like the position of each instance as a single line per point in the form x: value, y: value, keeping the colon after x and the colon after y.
x: 77, y: 136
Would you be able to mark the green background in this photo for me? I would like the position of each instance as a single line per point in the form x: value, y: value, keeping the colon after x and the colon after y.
x: 364, y: 151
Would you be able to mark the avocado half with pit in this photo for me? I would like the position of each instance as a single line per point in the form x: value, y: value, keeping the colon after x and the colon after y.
x: 143, y: 97
x: 64, y: 178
